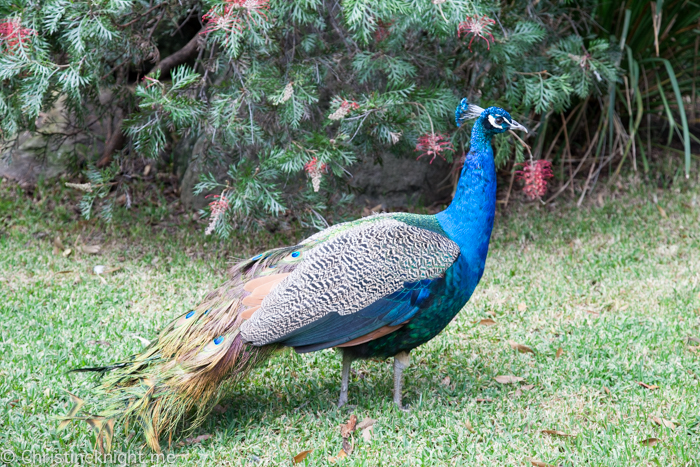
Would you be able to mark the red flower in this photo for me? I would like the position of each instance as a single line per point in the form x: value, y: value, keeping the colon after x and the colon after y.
x: 13, y: 34
x: 383, y: 30
x: 225, y: 21
x: 479, y: 27
x: 251, y: 7
x: 230, y: 20
x: 535, y: 175
x: 315, y: 171
x: 343, y: 110
x: 433, y: 144
x: 218, y: 207
x: 313, y: 165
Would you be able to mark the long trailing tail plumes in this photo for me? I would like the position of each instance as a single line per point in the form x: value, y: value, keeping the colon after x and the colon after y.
x: 184, y: 372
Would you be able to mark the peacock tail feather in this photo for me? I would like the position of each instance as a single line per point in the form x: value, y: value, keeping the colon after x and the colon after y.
x: 192, y: 364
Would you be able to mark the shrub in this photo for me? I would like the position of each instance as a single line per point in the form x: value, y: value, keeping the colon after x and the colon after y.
x: 277, y: 85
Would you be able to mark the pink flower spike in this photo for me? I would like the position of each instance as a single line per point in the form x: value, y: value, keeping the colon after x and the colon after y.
x: 315, y: 171
x: 252, y: 6
x: 218, y: 207
x: 12, y: 33
x: 433, y: 144
x: 478, y: 27
x: 535, y: 175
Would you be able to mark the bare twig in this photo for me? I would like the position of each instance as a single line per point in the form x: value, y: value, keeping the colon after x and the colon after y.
x: 567, y: 147
x: 588, y: 152
x: 510, y: 186
x: 585, y: 186
x: 122, y: 26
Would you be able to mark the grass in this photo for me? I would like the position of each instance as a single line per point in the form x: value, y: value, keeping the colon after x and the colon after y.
x: 615, y: 285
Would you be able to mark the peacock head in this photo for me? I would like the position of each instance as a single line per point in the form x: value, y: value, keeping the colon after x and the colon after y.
x: 492, y: 120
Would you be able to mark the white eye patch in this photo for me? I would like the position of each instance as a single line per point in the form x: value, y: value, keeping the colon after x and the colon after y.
x: 493, y: 123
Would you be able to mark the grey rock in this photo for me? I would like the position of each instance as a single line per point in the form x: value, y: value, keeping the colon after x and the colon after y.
x: 46, y: 153
x: 399, y: 182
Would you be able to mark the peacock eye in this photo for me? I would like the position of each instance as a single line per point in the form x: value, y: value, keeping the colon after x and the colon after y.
x: 499, y: 120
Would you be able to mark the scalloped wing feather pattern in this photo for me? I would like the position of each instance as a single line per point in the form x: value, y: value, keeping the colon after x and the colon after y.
x: 348, y: 273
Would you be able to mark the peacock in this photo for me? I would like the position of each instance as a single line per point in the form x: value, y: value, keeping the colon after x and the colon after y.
x: 376, y: 287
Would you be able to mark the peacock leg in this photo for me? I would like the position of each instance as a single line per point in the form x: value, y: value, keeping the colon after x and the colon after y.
x: 347, y: 362
x: 401, y: 362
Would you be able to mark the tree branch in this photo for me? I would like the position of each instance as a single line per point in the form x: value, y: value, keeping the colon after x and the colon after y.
x: 181, y: 56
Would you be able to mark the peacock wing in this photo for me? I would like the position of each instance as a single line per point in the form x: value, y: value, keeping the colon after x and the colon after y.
x: 363, y: 278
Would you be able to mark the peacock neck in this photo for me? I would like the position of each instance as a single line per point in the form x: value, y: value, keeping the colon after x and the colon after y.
x: 468, y: 220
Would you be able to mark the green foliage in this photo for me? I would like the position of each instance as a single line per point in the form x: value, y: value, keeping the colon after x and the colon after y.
x: 275, y: 84
x: 100, y: 184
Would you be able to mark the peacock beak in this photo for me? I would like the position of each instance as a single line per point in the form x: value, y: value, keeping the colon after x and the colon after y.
x: 517, y: 126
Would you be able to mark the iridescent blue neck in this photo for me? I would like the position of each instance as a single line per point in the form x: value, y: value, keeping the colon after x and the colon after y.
x: 469, y: 218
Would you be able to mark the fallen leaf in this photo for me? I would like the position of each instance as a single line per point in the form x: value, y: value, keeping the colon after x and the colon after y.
x: 367, y: 434
x: 90, y: 249
x: 98, y: 342
x: 650, y: 442
x: 662, y: 211
x: 484, y: 400
x: 194, y: 440
x: 664, y: 422
x: 560, y: 352
x: 593, y: 313
x: 650, y: 387
x: 520, y: 347
x: 146, y: 170
x: 68, y: 271
x: 347, y: 429
x: 66, y: 253
x: 527, y: 387
x: 469, y: 426
x: 607, y: 391
x: 366, y: 423
x: 446, y: 381
x: 342, y: 454
x: 558, y: 433
x: 522, y: 307
x: 487, y: 322
x: 508, y: 379
x: 693, y: 339
x: 58, y: 246
x: 102, y: 270
x: 143, y: 340
x: 538, y: 463
x: 301, y: 456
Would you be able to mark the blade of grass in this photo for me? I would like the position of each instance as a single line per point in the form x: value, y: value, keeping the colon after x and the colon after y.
x: 667, y: 108
x: 681, y: 110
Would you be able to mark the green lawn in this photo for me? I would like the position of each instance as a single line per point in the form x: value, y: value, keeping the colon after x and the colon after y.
x: 616, y: 287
